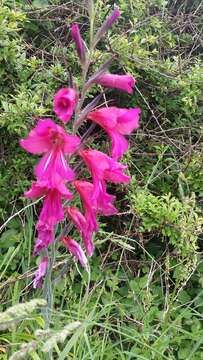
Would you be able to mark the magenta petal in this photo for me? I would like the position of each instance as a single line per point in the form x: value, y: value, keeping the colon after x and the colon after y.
x: 41, y: 188
x: 47, y: 137
x: 88, y: 243
x: 45, y: 127
x: 95, y: 200
x: 128, y: 121
x: 117, y: 122
x: 119, y: 144
x: 105, y: 202
x: 53, y: 164
x: 38, y: 140
x: 76, y: 250
x: 103, y: 167
x: 62, y: 189
x: 115, y: 174
x: 45, y: 166
x: 80, y: 46
x: 77, y: 217
x: 45, y: 237
x: 91, y: 219
x: 62, y: 167
x: 35, y: 144
x: 82, y: 225
x: 64, y: 103
x: 96, y: 162
x: 37, y: 190
x: 106, y: 117
x: 40, y: 272
x: 85, y: 189
x: 121, y: 82
x: 70, y: 143
x: 52, y: 211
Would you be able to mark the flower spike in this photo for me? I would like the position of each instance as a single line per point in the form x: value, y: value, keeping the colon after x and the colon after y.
x: 57, y: 147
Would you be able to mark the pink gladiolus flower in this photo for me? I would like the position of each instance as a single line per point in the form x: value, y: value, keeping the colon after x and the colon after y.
x: 105, y: 201
x: 102, y: 204
x: 40, y: 272
x: 42, y: 188
x: 51, y: 214
x: 81, y: 224
x: 51, y: 139
x: 85, y: 189
x: 79, y: 43
x: 125, y: 83
x: 103, y: 167
x: 47, y: 135
x: 117, y: 122
x: 45, y: 236
x: 64, y: 103
x: 52, y: 211
x: 76, y: 250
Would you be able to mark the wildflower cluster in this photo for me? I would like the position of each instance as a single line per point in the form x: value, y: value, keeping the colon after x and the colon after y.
x: 53, y: 172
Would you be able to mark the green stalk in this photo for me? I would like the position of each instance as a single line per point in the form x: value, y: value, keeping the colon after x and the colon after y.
x: 86, y: 65
x: 48, y: 294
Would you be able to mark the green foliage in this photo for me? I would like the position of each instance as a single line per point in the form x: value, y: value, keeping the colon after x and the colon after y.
x: 120, y: 315
x: 193, y: 177
x: 27, y: 87
x: 177, y: 223
x: 11, y: 20
x: 175, y: 219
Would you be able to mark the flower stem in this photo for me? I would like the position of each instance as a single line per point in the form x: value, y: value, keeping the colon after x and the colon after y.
x: 48, y: 293
x: 47, y: 289
x: 85, y: 68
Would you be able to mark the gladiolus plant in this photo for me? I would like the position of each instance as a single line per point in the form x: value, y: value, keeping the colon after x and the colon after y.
x: 55, y: 180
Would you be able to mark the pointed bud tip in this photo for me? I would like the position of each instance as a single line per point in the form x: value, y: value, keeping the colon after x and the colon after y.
x: 107, y: 24
x: 79, y: 43
x: 116, y: 13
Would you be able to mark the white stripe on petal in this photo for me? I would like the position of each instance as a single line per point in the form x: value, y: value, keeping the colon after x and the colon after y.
x: 63, y: 161
x: 48, y: 160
